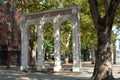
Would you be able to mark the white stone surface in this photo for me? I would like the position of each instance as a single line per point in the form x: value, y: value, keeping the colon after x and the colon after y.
x: 56, y: 17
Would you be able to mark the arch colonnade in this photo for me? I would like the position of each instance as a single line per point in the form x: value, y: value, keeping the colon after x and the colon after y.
x: 56, y: 17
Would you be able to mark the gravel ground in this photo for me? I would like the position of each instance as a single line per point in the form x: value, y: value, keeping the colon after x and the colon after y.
x: 84, y: 74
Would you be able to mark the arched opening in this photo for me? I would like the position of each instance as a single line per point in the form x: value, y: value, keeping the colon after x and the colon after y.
x: 66, y: 44
x: 48, y: 45
x: 39, y: 19
x: 32, y: 47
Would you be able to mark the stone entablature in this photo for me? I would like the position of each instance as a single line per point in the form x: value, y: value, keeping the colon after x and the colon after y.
x: 46, y: 14
x: 56, y: 17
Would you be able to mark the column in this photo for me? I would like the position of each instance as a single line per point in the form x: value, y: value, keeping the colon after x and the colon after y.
x: 76, y: 40
x: 40, y: 48
x: 57, y: 66
x: 24, y: 48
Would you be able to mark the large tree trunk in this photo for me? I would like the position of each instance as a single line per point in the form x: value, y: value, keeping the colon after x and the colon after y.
x: 102, y: 70
x: 103, y: 26
x: 103, y: 65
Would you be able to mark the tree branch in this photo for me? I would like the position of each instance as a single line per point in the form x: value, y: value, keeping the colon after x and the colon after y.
x: 94, y: 12
x: 62, y: 42
x: 109, y: 17
x: 106, y: 5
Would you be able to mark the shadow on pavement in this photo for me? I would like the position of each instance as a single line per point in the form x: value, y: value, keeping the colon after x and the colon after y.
x: 38, y: 76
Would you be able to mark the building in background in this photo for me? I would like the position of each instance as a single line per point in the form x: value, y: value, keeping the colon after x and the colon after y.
x: 9, y: 34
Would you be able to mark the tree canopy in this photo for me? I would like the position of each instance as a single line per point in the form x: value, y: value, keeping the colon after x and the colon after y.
x: 42, y: 5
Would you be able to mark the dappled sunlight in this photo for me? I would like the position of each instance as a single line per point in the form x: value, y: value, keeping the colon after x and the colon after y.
x: 56, y: 19
x: 84, y: 74
x: 35, y: 76
x: 19, y: 75
x: 24, y: 78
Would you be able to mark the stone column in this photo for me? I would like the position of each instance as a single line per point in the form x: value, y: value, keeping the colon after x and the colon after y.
x: 76, y: 40
x: 57, y: 66
x: 24, y: 47
x: 40, y: 48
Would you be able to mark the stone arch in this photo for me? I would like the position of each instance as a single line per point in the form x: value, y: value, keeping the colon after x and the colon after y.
x: 56, y: 17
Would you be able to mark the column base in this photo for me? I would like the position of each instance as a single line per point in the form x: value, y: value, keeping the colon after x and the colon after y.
x: 39, y: 68
x: 76, y: 69
x: 57, y: 68
x: 23, y: 68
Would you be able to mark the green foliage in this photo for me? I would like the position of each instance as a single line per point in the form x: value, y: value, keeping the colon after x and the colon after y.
x: 8, y: 5
x: 66, y: 37
x: 101, y: 8
x: 36, y: 5
x: 114, y: 37
x: 48, y: 38
x: 48, y: 46
x: 33, y: 36
x: 67, y: 3
x: 49, y: 4
x: 88, y: 32
x: 117, y: 17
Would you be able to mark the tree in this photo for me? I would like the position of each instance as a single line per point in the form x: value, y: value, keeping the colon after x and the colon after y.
x: 66, y: 40
x: 32, y: 44
x: 48, y: 41
x: 88, y: 32
x: 103, y: 25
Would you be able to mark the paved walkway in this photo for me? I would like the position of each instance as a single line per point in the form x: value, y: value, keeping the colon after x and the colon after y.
x: 85, y: 74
